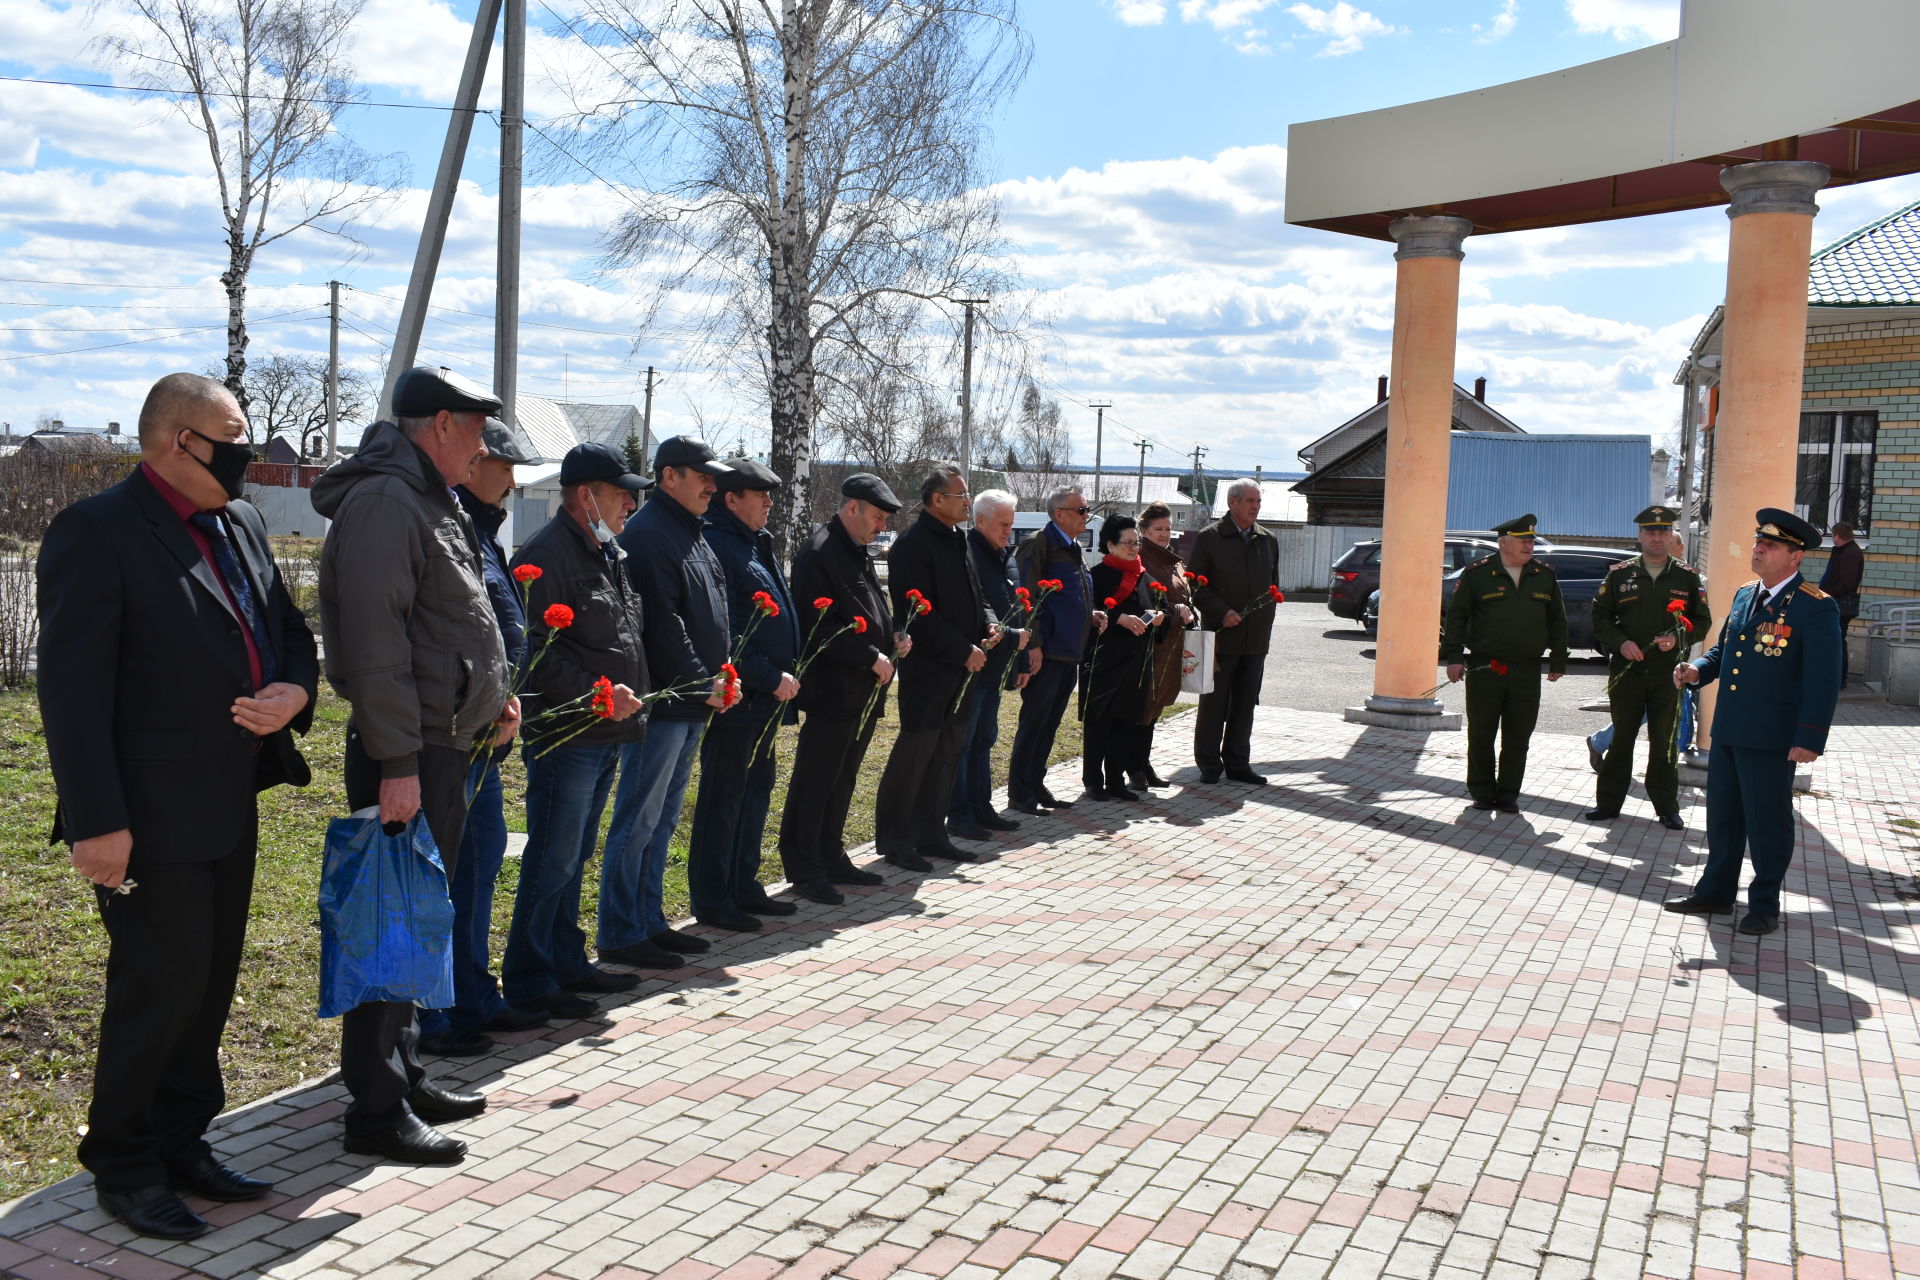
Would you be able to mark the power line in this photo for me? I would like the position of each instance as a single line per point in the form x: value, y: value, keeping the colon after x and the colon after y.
x: 99, y: 284
x: 214, y: 93
x: 291, y: 316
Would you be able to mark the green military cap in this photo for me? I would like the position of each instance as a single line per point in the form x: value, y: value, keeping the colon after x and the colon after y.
x: 1777, y: 525
x: 1518, y: 527
x: 1657, y: 517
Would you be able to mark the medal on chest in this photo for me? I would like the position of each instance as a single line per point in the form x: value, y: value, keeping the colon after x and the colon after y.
x: 1773, y: 638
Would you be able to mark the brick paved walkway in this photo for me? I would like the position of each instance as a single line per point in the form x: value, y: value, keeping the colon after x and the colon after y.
x: 1342, y: 1026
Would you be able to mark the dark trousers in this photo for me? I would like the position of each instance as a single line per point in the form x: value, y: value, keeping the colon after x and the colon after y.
x: 826, y: 763
x: 1042, y: 703
x: 1507, y: 705
x: 1142, y: 763
x: 173, y: 957
x: 483, y: 850
x: 729, y: 819
x: 911, y: 808
x: 973, y: 777
x: 380, y: 1040
x: 1112, y: 750
x: 1642, y: 693
x: 1223, y: 729
x: 1749, y: 811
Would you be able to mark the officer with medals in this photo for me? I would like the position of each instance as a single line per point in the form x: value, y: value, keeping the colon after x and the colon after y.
x: 1637, y: 622
x: 1778, y: 661
x: 1505, y: 610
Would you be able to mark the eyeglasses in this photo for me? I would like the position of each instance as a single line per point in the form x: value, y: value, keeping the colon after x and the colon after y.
x: 1127, y: 542
x: 1076, y: 511
x: 941, y: 493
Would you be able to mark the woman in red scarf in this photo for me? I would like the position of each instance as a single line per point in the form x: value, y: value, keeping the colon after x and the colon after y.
x: 1115, y: 684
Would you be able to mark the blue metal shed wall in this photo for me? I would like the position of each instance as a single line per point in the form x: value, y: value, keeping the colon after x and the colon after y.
x: 1579, y: 486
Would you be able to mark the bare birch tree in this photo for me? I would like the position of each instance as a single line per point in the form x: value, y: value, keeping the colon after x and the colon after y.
x: 264, y: 82
x: 818, y: 169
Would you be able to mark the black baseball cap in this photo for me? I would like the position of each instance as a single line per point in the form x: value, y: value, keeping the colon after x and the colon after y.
x: 423, y: 391
x: 596, y: 461
x: 688, y: 451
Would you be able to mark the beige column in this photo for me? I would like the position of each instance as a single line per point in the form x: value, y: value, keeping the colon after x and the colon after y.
x: 1426, y: 305
x: 1756, y: 438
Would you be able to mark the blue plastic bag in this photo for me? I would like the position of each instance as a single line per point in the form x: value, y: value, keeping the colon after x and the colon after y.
x: 386, y: 922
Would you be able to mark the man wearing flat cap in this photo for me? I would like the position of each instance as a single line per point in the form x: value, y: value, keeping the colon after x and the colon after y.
x: 1506, y: 609
x: 845, y: 690
x: 737, y: 755
x: 684, y: 592
x: 411, y: 641
x: 478, y: 1008
x: 571, y: 749
x: 1778, y: 663
x: 1638, y: 622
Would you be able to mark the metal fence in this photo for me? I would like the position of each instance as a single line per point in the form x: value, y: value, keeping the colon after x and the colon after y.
x: 1307, y: 552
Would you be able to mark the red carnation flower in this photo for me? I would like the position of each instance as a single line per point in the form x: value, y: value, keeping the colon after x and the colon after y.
x: 527, y: 573
x: 1498, y: 667
x: 823, y: 602
x: 1200, y: 578
x: 1159, y: 588
x: 1279, y: 596
x: 1025, y: 596
x: 766, y: 604
x: 603, y: 698
x: 558, y: 616
x: 1676, y: 606
x: 1111, y: 602
x: 859, y: 625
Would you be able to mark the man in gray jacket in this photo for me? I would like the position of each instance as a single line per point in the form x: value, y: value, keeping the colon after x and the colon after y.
x: 413, y: 645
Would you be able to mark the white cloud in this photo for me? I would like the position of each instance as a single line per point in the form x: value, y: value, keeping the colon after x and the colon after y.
x: 1223, y: 15
x: 1139, y: 13
x: 1502, y: 25
x: 1349, y: 27
x: 1626, y: 20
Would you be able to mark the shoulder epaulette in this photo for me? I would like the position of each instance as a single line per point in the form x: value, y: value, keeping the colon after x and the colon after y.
x: 1482, y: 560
x: 1813, y: 591
x: 1624, y: 564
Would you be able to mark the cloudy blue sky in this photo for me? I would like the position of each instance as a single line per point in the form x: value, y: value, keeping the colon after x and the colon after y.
x: 1141, y: 170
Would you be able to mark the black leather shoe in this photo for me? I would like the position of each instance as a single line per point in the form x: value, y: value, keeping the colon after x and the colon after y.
x: 1121, y: 793
x: 643, y: 955
x: 1052, y: 801
x: 1095, y: 793
x: 564, y: 1004
x: 512, y: 1019
x: 212, y: 1180
x: 1209, y: 776
x: 994, y: 822
x: 853, y: 875
x: 438, y: 1106
x: 1483, y: 804
x: 408, y: 1140
x: 909, y: 862
x: 155, y: 1212
x: 1030, y: 807
x: 819, y: 891
x: 1601, y: 815
x: 685, y: 944
x: 731, y: 921
x: 1754, y: 922
x: 1247, y: 776
x: 967, y: 831
x: 457, y: 1044
x: 1673, y: 822
x: 768, y: 906
x: 1155, y: 780
x: 1695, y: 905
x: 1508, y: 806
x: 600, y: 980
x: 945, y: 849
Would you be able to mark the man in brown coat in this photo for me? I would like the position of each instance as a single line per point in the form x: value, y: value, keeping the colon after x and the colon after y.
x: 1234, y: 563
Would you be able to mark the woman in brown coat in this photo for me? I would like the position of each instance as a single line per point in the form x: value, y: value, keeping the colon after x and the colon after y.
x: 1165, y: 568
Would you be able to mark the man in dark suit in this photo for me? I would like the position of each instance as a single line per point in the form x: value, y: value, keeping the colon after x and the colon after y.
x: 844, y: 692
x: 936, y: 596
x: 1234, y: 563
x: 173, y: 671
x: 1062, y: 625
x: 1779, y: 651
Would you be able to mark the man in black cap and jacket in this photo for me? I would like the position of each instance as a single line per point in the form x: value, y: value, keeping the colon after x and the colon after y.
x: 936, y: 596
x: 844, y: 693
x: 412, y: 643
x: 683, y: 589
x: 572, y: 745
x: 737, y: 756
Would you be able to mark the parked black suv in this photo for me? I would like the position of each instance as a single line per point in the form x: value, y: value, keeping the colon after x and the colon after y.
x: 1356, y: 575
x: 1581, y: 571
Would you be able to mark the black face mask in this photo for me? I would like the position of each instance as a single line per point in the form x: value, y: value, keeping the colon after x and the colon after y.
x: 228, y: 465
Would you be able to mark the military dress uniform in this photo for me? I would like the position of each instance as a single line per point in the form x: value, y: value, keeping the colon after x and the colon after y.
x: 1778, y: 662
x: 1490, y: 619
x: 1634, y: 604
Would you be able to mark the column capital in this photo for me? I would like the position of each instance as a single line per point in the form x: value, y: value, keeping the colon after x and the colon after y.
x: 1774, y: 186
x: 1429, y: 236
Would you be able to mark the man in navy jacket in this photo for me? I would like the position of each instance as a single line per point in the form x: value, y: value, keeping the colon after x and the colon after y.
x: 1778, y: 661
x: 1060, y: 634
x: 736, y: 766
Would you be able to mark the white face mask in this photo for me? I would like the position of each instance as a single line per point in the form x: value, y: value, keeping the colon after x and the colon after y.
x: 602, y: 532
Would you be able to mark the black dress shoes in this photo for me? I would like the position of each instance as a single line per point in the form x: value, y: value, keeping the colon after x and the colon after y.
x: 1247, y: 776
x: 155, y: 1212
x: 601, y: 981
x: 853, y: 875
x: 819, y: 891
x: 967, y: 831
x: 1756, y: 923
x: 642, y: 955
x: 512, y: 1019
x: 1673, y: 822
x: 1601, y: 815
x: 731, y: 921
x: 994, y: 822
x: 438, y: 1106
x: 1052, y: 801
x: 909, y: 861
x: 1209, y: 776
x: 1483, y: 804
x: 564, y: 1004
x: 1121, y: 793
x: 1030, y: 807
x: 408, y: 1140
x: 684, y: 944
x: 457, y: 1044
x: 946, y: 849
x: 209, y: 1178
x: 1508, y: 806
x: 1695, y: 905
x: 764, y: 906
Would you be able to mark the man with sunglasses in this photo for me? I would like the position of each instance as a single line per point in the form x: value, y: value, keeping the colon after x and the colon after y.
x: 1061, y: 627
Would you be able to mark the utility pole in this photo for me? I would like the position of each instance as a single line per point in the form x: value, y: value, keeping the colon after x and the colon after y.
x: 513, y: 123
x: 1099, y: 430
x: 1140, y: 484
x: 1200, y: 489
x: 646, y: 419
x: 333, y: 371
x: 966, y: 392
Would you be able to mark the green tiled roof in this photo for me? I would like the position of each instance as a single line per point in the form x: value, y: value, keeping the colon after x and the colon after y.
x: 1876, y: 266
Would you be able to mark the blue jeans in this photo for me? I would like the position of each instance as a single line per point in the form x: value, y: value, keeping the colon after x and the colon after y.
x: 729, y: 820
x: 566, y: 793
x: 973, y: 780
x: 483, y: 847
x: 646, y: 808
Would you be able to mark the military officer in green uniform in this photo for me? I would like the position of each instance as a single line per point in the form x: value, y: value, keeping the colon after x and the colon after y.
x: 1636, y: 622
x: 1506, y: 609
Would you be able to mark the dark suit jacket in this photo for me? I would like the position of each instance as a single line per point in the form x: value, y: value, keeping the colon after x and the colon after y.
x: 933, y: 559
x: 839, y: 681
x: 1779, y: 671
x: 141, y: 657
x: 1239, y: 568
